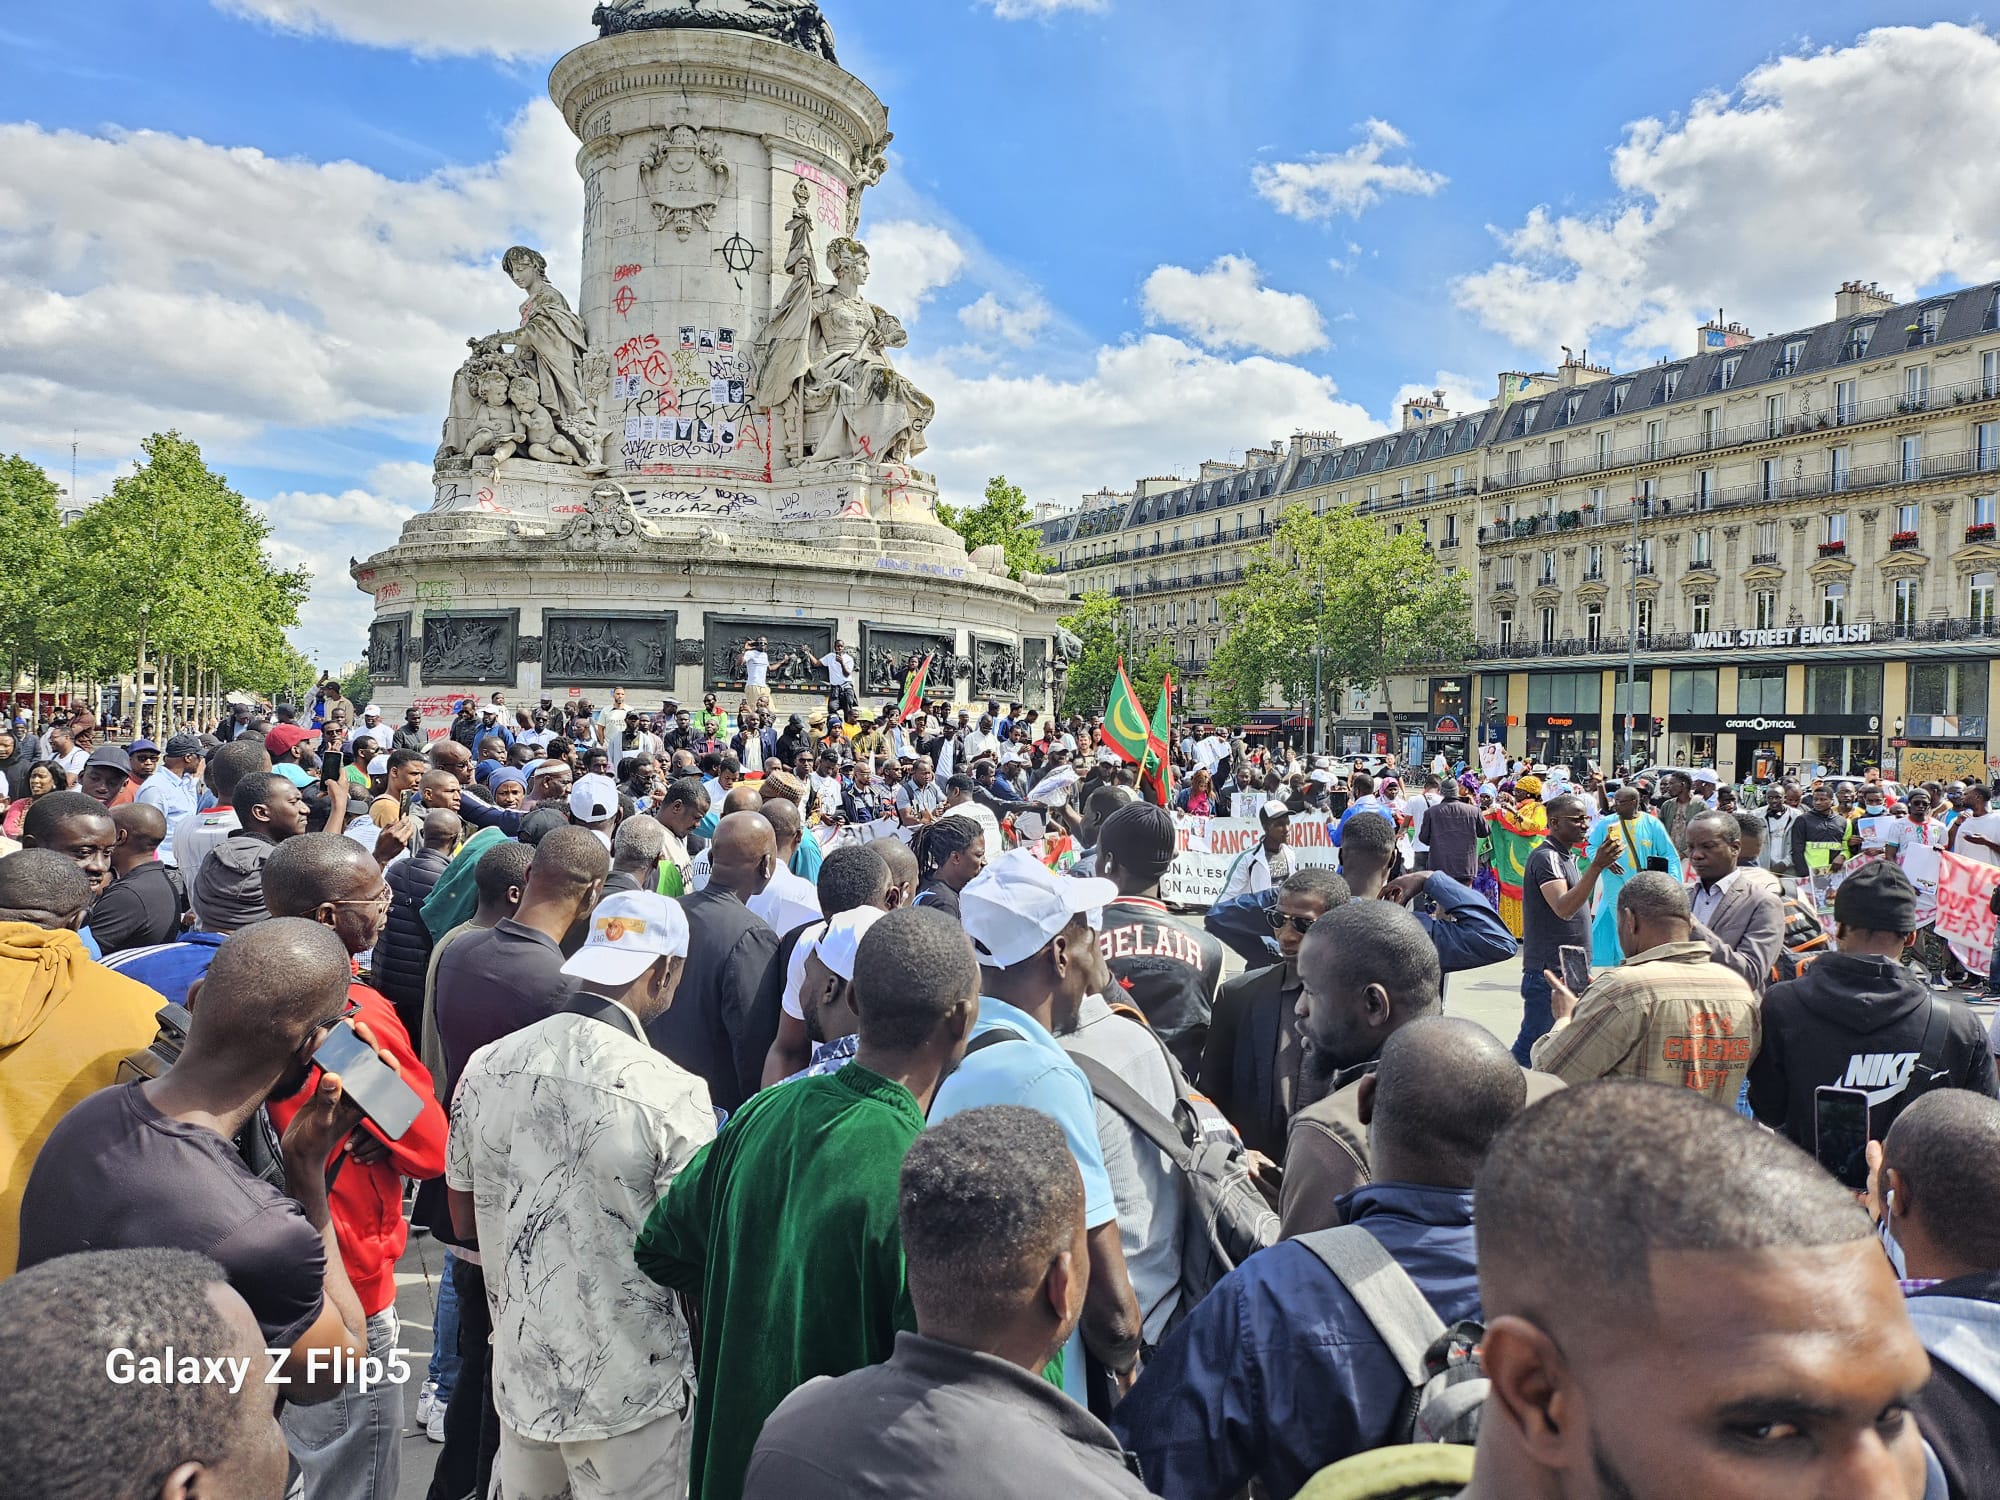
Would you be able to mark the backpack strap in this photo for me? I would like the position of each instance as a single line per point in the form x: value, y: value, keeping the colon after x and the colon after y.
x: 992, y: 1038
x: 1931, y: 1049
x: 1388, y: 1298
x: 1138, y: 1113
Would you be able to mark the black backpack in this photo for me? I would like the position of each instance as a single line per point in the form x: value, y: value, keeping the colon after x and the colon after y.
x: 1448, y: 1385
x: 257, y: 1142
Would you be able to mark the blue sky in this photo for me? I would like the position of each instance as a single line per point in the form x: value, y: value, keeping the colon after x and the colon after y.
x: 1126, y: 235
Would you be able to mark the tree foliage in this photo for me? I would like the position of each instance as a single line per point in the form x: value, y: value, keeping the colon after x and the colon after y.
x: 358, y: 687
x: 999, y: 520
x: 1374, y: 603
x: 171, y: 562
x: 1088, y: 687
x: 33, y: 556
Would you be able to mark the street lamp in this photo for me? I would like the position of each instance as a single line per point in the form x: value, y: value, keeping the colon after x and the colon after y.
x: 1632, y: 555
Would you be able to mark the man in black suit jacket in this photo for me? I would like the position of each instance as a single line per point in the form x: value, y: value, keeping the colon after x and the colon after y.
x: 716, y: 1028
x: 1740, y: 918
x: 1250, y: 1064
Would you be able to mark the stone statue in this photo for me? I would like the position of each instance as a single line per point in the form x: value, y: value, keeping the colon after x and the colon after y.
x: 796, y: 23
x: 825, y: 357
x: 522, y: 390
x: 608, y: 522
x: 685, y: 176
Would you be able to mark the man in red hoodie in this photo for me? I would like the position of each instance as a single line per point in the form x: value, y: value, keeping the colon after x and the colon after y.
x: 351, y: 1446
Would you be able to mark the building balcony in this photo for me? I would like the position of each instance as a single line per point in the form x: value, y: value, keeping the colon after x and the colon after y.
x: 1833, y: 549
x: 1983, y: 532
x: 1763, y: 559
x: 1903, y: 541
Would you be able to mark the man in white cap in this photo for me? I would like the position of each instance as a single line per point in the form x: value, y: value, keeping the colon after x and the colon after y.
x: 564, y: 1135
x: 593, y: 804
x: 825, y: 962
x: 1035, y: 935
x: 1265, y: 864
x: 370, y: 728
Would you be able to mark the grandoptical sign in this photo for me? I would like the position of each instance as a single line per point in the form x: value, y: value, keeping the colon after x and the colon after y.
x: 1791, y: 635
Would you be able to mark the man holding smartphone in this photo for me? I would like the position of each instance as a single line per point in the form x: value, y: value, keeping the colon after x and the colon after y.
x: 1555, y: 899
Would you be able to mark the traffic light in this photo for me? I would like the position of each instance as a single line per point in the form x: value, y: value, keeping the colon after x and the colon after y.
x: 1659, y: 724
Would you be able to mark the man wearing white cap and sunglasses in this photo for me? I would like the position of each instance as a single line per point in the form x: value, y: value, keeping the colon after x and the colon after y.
x: 1034, y: 933
x: 564, y: 1135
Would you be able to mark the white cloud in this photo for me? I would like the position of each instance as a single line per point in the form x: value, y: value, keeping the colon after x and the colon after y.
x: 1144, y: 407
x: 502, y: 28
x: 1227, y: 306
x: 908, y: 262
x: 232, y: 290
x: 320, y: 531
x: 1347, y: 183
x: 1016, y: 322
x: 1763, y: 201
x: 1024, y: 10
x: 1462, y: 394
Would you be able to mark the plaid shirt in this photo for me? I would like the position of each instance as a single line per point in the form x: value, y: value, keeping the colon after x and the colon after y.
x: 1668, y: 1015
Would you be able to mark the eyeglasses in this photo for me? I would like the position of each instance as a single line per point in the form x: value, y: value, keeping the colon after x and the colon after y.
x: 1279, y: 922
x: 383, y: 897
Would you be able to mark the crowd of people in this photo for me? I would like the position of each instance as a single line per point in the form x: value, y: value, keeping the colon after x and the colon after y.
x: 832, y: 1104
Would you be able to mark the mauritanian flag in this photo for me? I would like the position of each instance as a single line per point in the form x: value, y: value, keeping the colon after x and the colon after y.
x: 1157, y: 777
x: 913, y: 690
x: 1127, y: 732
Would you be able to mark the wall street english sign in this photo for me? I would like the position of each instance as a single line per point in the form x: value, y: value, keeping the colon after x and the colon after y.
x: 1790, y: 635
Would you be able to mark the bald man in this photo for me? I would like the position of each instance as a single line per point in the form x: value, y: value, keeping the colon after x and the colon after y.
x: 146, y: 900
x: 717, y: 1029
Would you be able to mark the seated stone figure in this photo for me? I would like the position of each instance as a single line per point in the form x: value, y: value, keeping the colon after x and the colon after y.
x: 545, y: 443
x: 496, y: 425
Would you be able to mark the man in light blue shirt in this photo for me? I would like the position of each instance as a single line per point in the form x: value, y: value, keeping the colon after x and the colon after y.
x: 1032, y: 931
x: 175, y: 789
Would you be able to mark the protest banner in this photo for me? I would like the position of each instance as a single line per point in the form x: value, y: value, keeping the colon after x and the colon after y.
x: 1920, y: 863
x: 1964, y: 908
x: 1207, y: 847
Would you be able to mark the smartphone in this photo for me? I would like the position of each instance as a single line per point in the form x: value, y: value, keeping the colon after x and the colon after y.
x: 332, y: 765
x: 1840, y: 1134
x: 1659, y: 862
x: 390, y: 1104
x: 1575, y: 968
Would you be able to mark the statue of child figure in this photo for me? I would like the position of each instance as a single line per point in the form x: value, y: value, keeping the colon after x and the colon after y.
x: 545, y: 443
x: 496, y: 426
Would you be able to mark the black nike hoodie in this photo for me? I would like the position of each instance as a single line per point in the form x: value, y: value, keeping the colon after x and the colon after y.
x: 1857, y: 1021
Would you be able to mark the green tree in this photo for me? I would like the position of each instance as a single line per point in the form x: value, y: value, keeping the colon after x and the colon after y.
x: 1373, y: 604
x: 171, y: 563
x: 1000, y: 520
x: 1087, y: 689
x: 33, y: 560
x: 358, y: 688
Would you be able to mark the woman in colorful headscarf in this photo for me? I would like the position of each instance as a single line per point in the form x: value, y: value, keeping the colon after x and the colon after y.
x: 1515, y: 831
x: 1642, y: 839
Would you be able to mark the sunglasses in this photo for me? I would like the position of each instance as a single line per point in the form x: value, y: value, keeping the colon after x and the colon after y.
x: 1279, y: 922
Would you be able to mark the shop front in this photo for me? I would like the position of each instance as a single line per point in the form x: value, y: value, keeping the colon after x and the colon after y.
x: 1759, y: 747
x: 1449, y: 722
x: 1565, y: 739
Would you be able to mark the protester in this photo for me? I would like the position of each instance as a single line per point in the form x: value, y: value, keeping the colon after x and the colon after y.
x: 227, y: 891
x: 1266, y: 863
x: 716, y: 1029
x: 65, y: 1022
x: 1643, y: 844
x: 146, y: 900
x: 1654, y: 1275
x: 72, y: 1326
x: 1741, y: 921
x: 351, y: 1446
x: 107, y: 776
x: 1226, y: 1399
x: 1554, y: 901
x: 789, y: 900
x: 564, y: 1135
x: 1858, y: 1019
x: 196, y: 834
x: 636, y: 849
x: 1251, y: 1063
x: 680, y: 809
x: 1819, y: 827
x: 784, y: 1229
x: 402, y: 959
x: 1038, y: 958
x: 1165, y: 968
x: 153, y: 1162
x: 950, y: 852
x: 1450, y: 831
x: 80, y: 829
x: 991, y: 1220
x: 1668, y: 1014
x: 1937, y: 1188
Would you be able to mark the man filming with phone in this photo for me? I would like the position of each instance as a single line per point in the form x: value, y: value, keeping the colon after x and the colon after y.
x: 1555, y: 902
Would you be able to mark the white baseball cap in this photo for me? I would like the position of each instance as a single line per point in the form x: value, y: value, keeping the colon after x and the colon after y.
x: 836, y: 946
x: 1707, y: 777
x: 593, y: 799
x: 1273, y: 809
x: 629, y: 933
x: 1015, y: 906
x: 379, y: 766
x: 371, y: 712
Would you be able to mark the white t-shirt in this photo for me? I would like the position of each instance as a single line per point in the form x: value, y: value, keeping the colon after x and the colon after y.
x: 1986, y: 826
x: 756, y: 668
x: 839, y: 667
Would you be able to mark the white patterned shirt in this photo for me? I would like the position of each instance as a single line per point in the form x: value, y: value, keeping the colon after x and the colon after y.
x: 567, y: 1133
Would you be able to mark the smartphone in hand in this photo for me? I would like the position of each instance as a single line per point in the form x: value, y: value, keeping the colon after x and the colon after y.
x: 1575, y: 968
x: 332, y: 766
x: 1840, y: 1134
x: 389, y: 1104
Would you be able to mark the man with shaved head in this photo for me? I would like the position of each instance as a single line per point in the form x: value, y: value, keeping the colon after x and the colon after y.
x: 1678, y: 1303
x: 64, y: 1021
x: 154, y: 1162
x: 147, y: 899
x: 1221, y: 1401
x: 717, y: 1030
x: 333, y: 881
